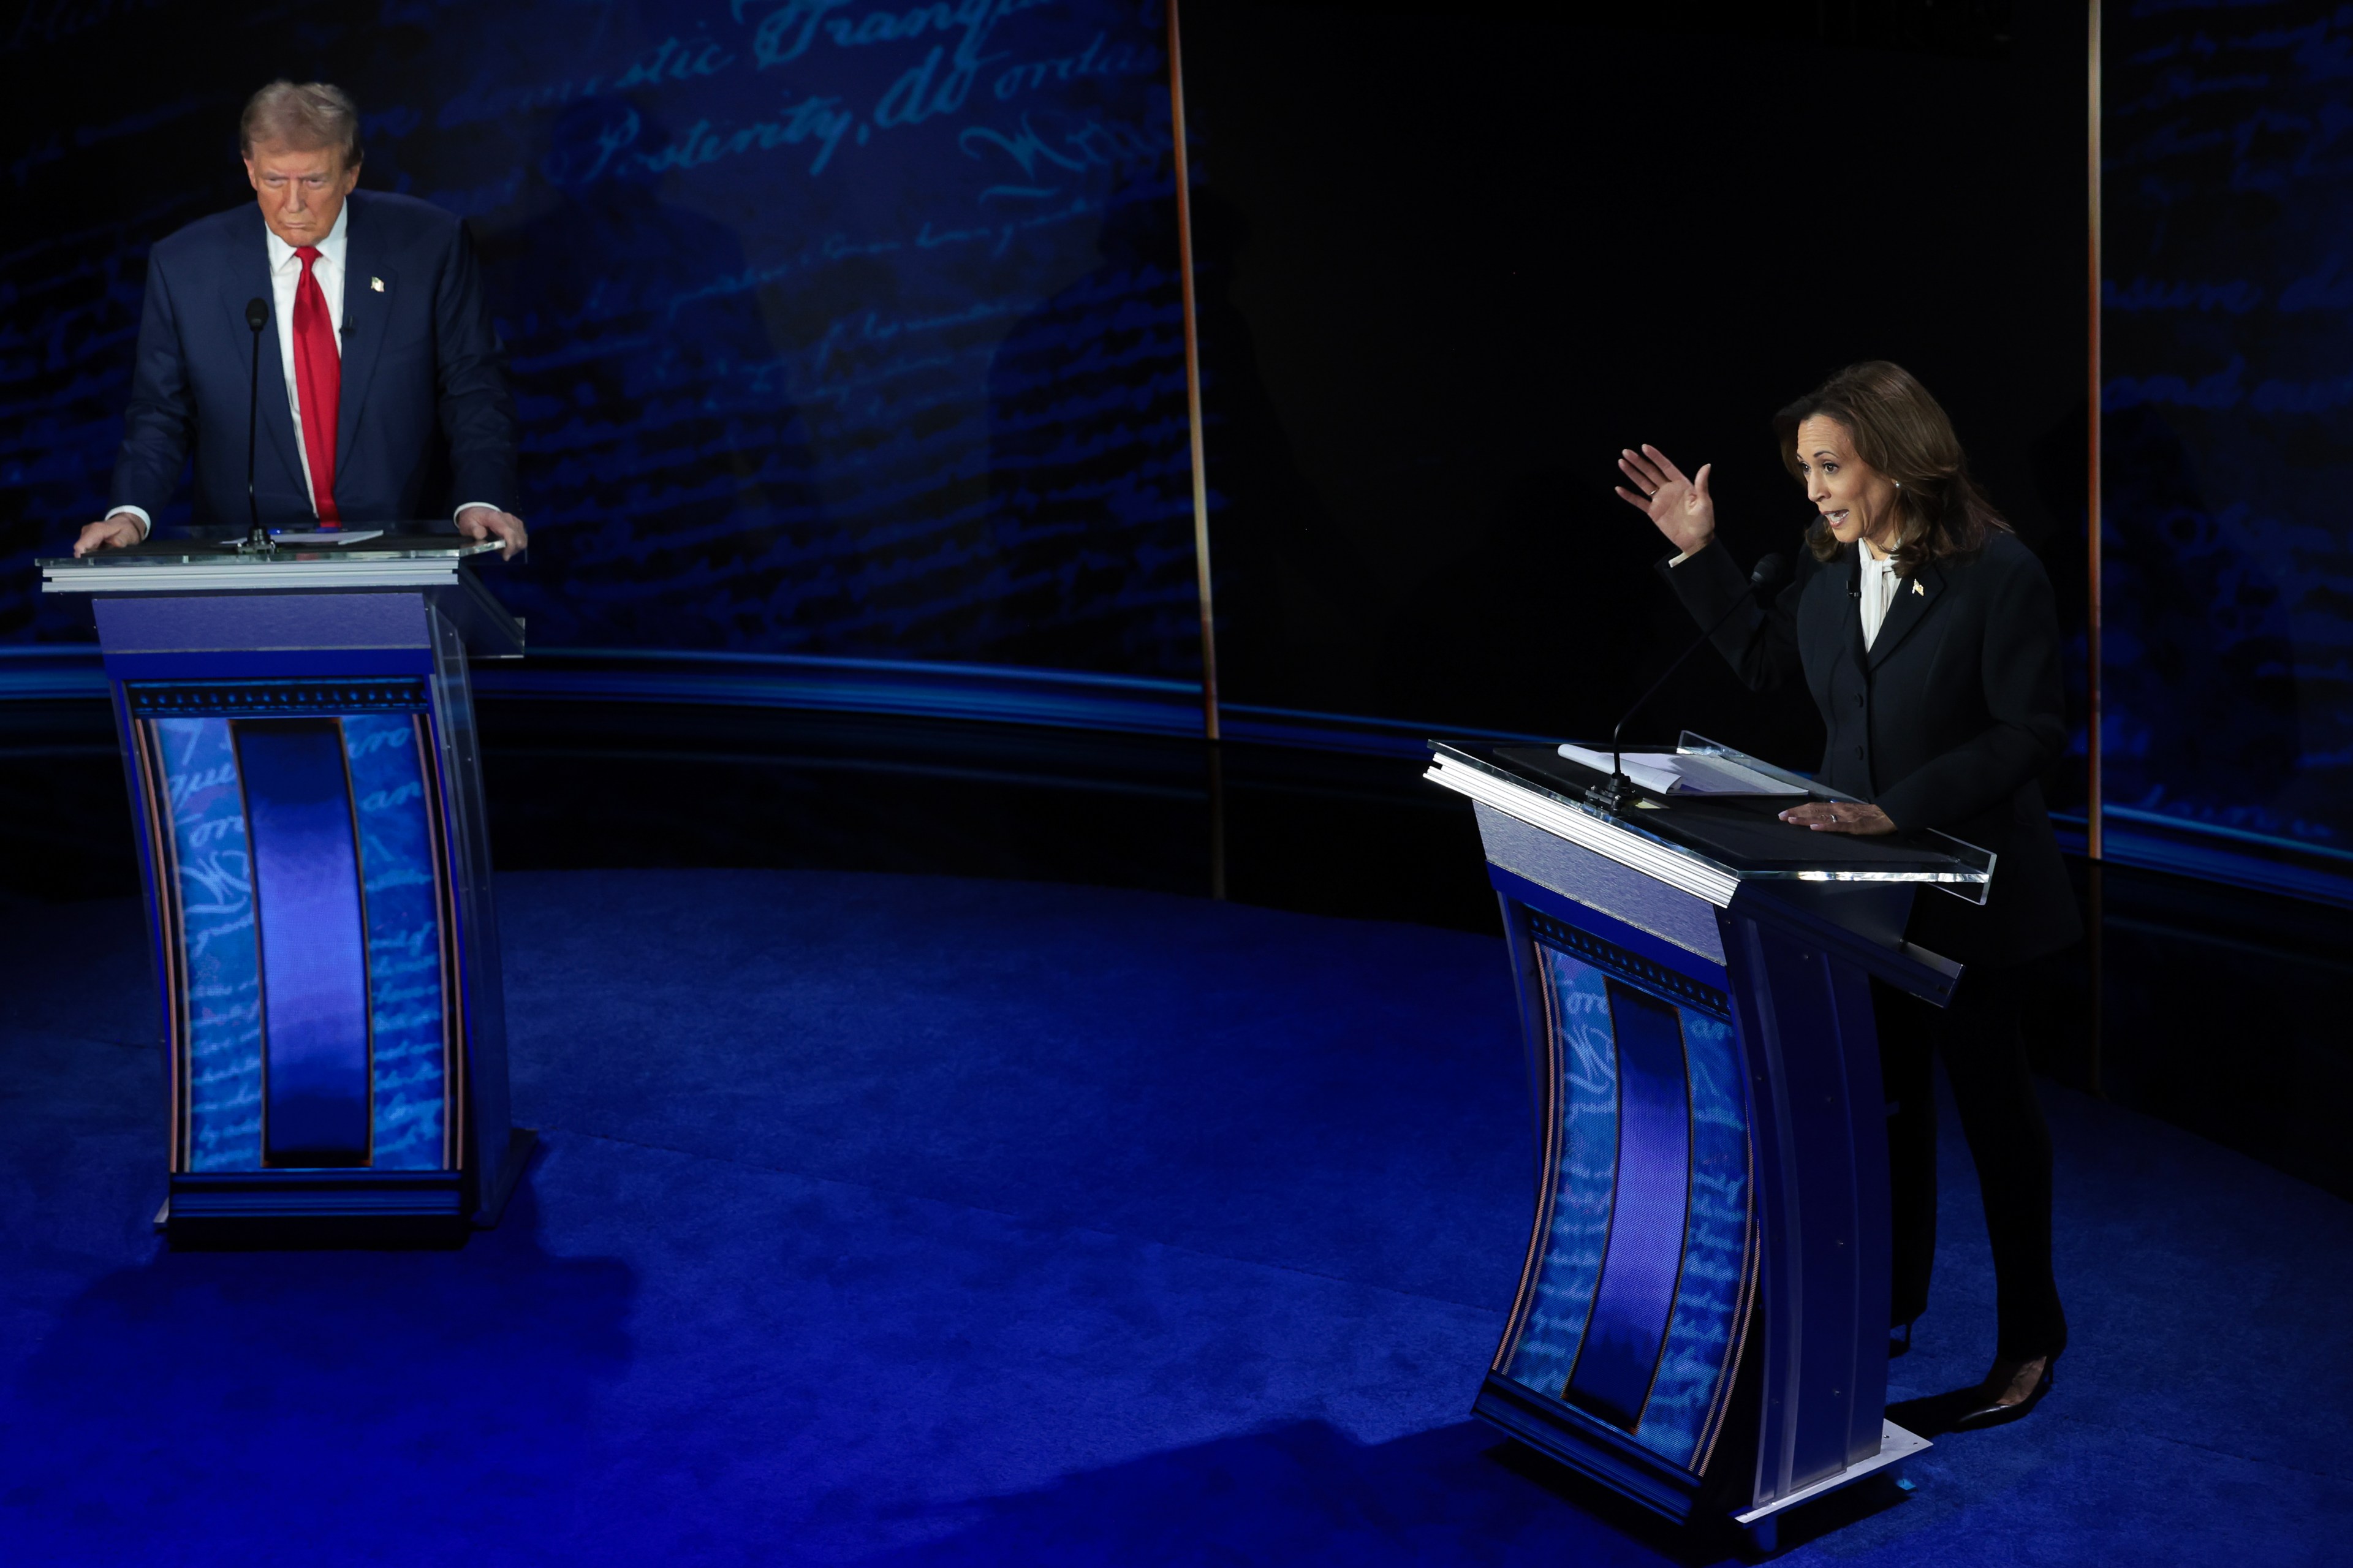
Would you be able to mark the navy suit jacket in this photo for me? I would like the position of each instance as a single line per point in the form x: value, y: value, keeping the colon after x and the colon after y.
x: 426, y: 421
x: 1946, y: 721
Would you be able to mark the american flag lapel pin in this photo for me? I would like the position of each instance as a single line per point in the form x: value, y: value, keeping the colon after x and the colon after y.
x: 376, y: 284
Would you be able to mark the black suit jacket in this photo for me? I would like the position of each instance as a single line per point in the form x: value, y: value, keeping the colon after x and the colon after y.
x: 426, y: 421
x: 1946, y: 721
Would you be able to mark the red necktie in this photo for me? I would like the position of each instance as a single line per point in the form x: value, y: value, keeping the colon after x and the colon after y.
x: 318, y: 385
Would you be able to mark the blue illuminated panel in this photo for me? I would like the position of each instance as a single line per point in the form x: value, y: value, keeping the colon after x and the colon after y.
x: 1636, y: 1290
x: 313, y: 941
x: 303, y: 818
x: 404, y: 935
x: 1585, y: 1113
x: 208, y: 840
x: 1635, y: 1303
x: 1686, y: 1402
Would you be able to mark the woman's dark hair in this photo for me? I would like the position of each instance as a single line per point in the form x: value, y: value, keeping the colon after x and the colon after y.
x: 1900, y: 430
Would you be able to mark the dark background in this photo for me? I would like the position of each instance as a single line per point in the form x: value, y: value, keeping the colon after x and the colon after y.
x: 1460, y: 255
x: 1453, y: 258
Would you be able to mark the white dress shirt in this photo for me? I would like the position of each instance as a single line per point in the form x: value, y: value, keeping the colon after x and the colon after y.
x: 285, y: 277
x: 1880, y: 584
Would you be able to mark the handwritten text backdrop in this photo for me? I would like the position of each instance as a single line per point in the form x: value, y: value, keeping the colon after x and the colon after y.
x: 835, y: 326
x: 2229, y: 415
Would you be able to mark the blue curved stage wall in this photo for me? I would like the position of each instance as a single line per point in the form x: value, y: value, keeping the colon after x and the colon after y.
x: 2228, y: 440
x: 838, y: 328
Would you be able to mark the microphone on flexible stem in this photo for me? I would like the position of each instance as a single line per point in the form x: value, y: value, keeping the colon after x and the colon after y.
x: 257, y: 315
x: 1617, y: 792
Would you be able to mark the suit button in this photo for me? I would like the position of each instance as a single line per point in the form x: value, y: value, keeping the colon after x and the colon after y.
x: 1858, y: 754
x: 1858, y: 699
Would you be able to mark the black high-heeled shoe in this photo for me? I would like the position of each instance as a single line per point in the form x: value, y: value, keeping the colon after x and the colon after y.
x: 1992, y: 1411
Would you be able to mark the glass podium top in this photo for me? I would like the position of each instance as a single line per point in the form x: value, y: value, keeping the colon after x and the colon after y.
x: 402, y: 555
x: 1707, y: 837
x: 398, y: 543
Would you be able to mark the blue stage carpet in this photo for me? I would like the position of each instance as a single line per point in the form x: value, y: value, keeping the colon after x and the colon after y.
x: 910, y: 1221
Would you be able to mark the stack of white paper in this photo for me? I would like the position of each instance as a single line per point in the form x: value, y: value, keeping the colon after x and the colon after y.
x: 326, y: 535
x: 1684, y: 773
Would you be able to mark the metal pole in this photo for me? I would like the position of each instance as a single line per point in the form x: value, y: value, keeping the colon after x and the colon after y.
x: 2095, y: 782
x: 2098, y: 845
x: 1193, y: 386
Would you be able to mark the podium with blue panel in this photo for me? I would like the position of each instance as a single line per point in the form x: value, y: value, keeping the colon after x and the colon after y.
x: 298, y: 735
x: 1701, y: 1316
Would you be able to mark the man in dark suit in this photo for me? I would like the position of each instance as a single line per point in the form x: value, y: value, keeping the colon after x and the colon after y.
x: 382, y: 398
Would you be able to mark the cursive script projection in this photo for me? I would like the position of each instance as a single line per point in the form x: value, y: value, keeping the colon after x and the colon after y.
x: 384, y: 753
x: 223, y: 1017
x: 1584, y: 1178
x: 2229, y: 414
x: 835, y: 326
x: 1687, y: 1387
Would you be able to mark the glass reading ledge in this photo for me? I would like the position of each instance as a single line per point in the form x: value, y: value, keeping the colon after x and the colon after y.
x: 393, y: 541
x: 405, y: 556
x: 1715, y: 838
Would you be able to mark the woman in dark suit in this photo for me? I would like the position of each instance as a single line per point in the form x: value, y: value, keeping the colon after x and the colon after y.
x: 1926, y: 632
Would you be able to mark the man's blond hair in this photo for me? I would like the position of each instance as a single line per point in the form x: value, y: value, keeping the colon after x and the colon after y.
x: 305, y: 116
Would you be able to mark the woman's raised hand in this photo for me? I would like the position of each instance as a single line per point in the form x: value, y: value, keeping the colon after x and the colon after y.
x: 1681, y: 507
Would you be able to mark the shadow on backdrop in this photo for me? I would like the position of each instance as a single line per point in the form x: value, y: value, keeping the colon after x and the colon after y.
x: 1090, y: 473
x: 657, y: 438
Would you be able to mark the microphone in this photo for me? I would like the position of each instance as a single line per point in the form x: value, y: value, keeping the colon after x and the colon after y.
x: 1617, y: 792
x: 257, y: 315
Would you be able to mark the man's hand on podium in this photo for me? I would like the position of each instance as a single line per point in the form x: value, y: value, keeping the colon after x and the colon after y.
x: 109, y: 533
x: 1840, y: 816
x: 485, y: 522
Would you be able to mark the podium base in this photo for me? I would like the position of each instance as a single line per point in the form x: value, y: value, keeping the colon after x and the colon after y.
x: 1763, y: 1525
x: 262, y: 1210
x: 521, y: 1143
